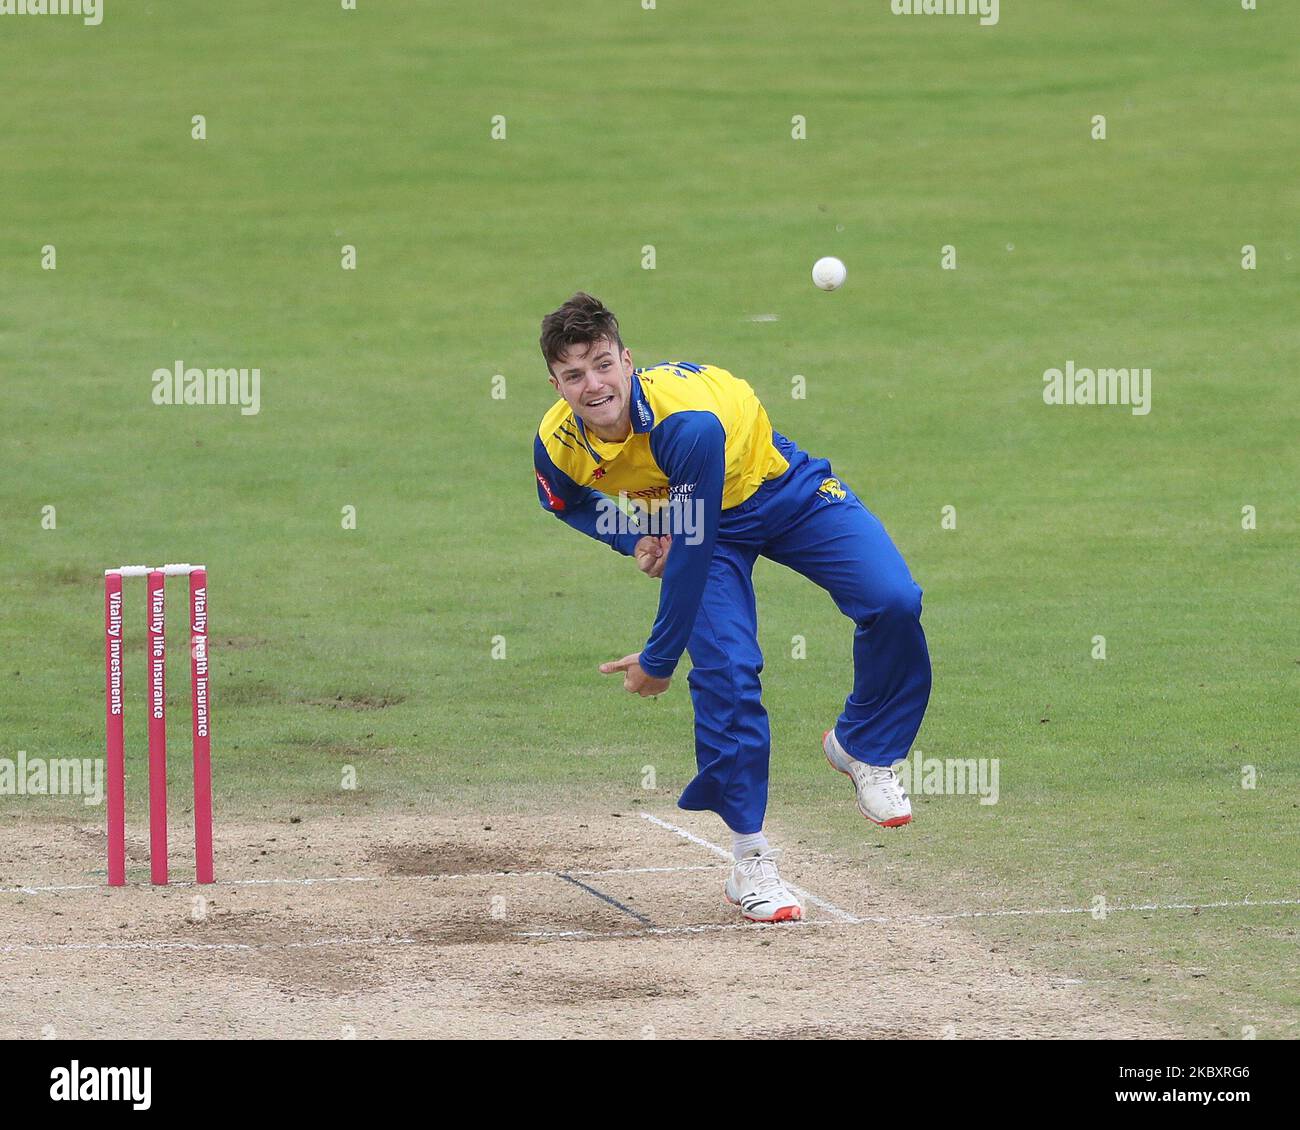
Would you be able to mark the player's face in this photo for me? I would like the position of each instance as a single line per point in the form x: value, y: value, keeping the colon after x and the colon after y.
x: 596, y: 382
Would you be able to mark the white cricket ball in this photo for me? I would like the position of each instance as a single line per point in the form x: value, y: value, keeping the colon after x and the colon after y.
x: 829, y: 273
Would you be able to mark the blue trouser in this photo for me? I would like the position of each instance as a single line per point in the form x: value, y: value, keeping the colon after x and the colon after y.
x: 829, y: 537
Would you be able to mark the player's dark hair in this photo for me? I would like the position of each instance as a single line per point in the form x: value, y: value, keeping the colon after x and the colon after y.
x: 580, y: 321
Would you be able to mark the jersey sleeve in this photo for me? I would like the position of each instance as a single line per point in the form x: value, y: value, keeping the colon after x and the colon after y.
x: 690, y: 448
x: 581, y: 507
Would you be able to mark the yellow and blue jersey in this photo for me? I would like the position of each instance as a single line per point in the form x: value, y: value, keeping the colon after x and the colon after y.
x: 699, y: 436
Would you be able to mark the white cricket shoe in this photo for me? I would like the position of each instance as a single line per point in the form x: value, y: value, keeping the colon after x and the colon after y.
x: 756, y: 888
x: 881, y: 796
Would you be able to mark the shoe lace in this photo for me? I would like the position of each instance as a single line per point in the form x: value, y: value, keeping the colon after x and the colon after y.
x: 761, y: 870
x: 884, y: 775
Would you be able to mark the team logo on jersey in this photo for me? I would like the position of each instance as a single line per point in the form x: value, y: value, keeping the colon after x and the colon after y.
x: 551, y: 500
x: 831, y: 489
x: 598, y: 473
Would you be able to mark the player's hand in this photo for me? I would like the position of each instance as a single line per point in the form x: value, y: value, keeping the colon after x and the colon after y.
x: 636, y: 681
x: 651, y: 554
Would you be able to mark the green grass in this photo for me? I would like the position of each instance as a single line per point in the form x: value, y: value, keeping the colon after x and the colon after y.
x: 1119, y: 777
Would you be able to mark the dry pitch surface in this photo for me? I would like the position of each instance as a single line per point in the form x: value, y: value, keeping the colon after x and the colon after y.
x: 591, y: 925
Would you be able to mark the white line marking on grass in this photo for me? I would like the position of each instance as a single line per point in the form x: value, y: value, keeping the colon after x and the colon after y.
x: 52, y: 947
x: 1088, y: 910
x: 705, y: 928
x: 568, y: 935
x: 571, y: 935
x: 895, y: 920
x: 830, y: 908
x: 326, y: 879
x: 721, y: 852
x: 595, y: 873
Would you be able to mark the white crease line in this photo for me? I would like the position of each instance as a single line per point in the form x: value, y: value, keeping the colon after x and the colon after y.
x: 706, y: 928
x: 722, y: 853
x: 897, y: 920
x: 462, y: 875
x: 324, y: 879
x: 551, y: 935
x: 1089, y: 910
x: 824, y: 904
x: 830, y: 908
x: 49, y: 947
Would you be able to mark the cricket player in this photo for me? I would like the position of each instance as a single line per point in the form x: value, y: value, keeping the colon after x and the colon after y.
x: 625, y: 448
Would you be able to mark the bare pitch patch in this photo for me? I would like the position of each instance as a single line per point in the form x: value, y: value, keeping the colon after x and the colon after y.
x: 591, y: 925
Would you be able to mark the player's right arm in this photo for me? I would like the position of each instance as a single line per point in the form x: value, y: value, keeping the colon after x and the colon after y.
x: 581, y: 507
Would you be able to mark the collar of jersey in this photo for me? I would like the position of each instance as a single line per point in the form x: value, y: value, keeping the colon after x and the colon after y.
x: 643, y: 419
